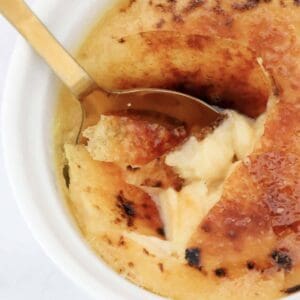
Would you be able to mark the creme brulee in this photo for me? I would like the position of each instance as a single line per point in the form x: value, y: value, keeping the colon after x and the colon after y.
x: 191, y: 213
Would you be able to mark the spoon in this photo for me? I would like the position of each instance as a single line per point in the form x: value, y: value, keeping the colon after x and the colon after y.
x: 185, y: 108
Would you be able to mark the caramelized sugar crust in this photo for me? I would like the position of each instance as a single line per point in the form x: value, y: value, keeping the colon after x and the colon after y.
x: 133, y: 138
x: 219, y: 70
x: 100, y: 194
x: 276, y: 174
x: 254, y: 228
x: 260, y: 205
x: 155, y: 174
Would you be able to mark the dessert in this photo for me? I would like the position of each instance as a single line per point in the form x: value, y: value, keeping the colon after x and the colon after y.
x: 192, y: 213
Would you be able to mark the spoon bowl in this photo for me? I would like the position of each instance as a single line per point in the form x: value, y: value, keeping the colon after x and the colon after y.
x: 94, y: 99
x: 189, y: 110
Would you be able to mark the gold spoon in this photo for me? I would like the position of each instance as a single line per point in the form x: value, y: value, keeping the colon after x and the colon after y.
x: 185, y: 108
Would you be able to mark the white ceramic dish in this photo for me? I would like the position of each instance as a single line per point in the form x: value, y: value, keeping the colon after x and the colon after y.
x: 29, y: 101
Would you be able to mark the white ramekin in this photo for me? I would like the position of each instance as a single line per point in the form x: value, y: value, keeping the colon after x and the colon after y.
x: 27, y: 115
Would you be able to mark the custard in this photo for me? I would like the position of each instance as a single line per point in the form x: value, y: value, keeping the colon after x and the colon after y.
x: 188, y: 213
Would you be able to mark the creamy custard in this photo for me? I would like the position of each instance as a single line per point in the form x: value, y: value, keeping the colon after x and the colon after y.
x: 211, y: 215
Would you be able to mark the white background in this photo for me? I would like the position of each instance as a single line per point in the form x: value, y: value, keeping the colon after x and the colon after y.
x: 25, y: 272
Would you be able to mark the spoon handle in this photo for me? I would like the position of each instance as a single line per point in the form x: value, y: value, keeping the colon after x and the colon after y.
x: 35, y: 32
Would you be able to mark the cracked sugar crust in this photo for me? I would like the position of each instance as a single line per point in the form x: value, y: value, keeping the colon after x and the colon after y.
x: 249, y: 224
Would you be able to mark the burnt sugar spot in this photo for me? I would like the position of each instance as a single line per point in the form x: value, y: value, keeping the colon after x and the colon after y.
x: 282, y: 259
x: 121, y: 242
x: 161, y: 231
x: 121, y: 40
x: 66, y: 175
x: 132, y: 169
x: 193, y: 256
x: 139, y: 211
x: 127, y: 208
x: 250, y: 265
x: 161, y: 267
x: 146, y: 251
x: 221, y: 272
